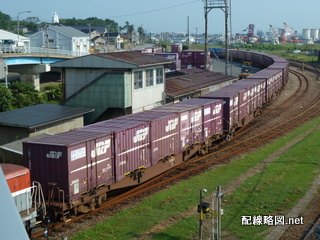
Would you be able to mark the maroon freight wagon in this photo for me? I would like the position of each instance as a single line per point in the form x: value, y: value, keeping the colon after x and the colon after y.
x: 72, y: 162
x: 211, y: 127
x: 190, y: 118
x: 261, y: 60
x: 131, y: 144
x: 261, y: 93
x: 284, y: 66
x: 230, y: 97
x: 164, y: 132
x: 274, y: 81
x: 257, y: 94
x: 249, y: 100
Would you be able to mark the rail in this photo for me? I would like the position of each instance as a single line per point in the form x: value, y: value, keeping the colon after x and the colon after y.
x: 312, y: 231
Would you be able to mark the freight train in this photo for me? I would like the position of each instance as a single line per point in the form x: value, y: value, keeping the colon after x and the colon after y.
x: 78, y: 169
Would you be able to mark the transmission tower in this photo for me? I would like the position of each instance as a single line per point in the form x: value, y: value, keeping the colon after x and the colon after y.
x: 208, y: 6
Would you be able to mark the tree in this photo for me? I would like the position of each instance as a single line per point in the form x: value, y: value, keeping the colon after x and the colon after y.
x: 129, y: 28
x: 141, y: 32
x: 6, y: 99
x: 5, y: 21
x: 29, y: 24
x: 69, y: 22
x: 53, y: 93
x: 24, y: 95
x: 32, y: 23
x: 93, y: 21
x: 113, y: 27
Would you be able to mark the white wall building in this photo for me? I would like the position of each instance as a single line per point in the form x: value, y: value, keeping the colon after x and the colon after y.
x: 62, y: 38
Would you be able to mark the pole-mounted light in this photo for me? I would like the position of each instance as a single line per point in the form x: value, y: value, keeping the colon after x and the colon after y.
x: 18, y: 22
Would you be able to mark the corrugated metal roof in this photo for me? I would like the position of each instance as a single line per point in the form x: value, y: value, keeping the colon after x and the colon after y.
x: 16, y: 146
x: 8, y: 35
x: 69, y: 31
x: 40, y: 115
x: 86, y: 28
x: 68, y: 138
x: 136, y: 58
x: 187, y: 81
x: 114, y: 60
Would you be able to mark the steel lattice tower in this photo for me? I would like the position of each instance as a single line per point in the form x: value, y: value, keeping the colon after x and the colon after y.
x: 208, y: 6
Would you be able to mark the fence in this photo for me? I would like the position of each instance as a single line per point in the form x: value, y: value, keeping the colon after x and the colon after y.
x: 40, y: 50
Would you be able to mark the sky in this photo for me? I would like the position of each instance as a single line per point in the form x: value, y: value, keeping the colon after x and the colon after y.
x: 172, y: 16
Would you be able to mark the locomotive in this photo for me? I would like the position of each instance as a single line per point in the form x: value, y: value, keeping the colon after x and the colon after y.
x: 79, y: 168
x: 27, y: 196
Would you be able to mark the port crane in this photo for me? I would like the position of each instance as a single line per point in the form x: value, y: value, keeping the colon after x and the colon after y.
x: 274, y: 36
x: 250, y: 38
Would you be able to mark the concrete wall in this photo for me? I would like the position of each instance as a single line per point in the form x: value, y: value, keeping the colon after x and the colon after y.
x: 60, y: 127
x: 10, y: 134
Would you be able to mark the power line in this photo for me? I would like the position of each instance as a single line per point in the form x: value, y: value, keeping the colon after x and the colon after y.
x: 156, y: 10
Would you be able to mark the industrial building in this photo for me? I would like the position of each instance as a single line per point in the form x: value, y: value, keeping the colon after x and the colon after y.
x: 193, y: 82
x: 37, y: 119
x: 114, y: 84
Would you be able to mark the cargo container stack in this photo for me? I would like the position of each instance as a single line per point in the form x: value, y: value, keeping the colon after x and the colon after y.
x: 164, y: 132
x: 190, y: 119
x: 200, y: 59
x: 230, y: 108
x: 187, y: 59
x: 175, y: 65
x: 194, y: 58
x: 211, y: 125
x: 154, y: 50
x: 176, y: 48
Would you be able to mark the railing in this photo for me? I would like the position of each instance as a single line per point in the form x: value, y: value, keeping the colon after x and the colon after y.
x: 39, y: 50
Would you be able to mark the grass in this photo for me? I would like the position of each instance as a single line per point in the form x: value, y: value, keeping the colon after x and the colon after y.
x: 273, y: 191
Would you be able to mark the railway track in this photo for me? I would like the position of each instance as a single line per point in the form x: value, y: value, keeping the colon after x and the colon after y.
x: 298, y: 105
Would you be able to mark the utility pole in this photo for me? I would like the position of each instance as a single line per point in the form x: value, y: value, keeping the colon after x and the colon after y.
x: 217, y: 212
x: 6, y: 72
x: 188, y: 33
x: 200, y: 211
x: 196, y: 35
x: 206, y: 12
x: 226, y: 15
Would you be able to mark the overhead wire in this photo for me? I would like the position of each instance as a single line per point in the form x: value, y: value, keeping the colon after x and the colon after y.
x: 155, y: 10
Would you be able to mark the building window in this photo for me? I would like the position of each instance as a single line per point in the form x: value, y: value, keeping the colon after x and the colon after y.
x: 159, y: 75
x: 138, y: 80
x: 149, y: 78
